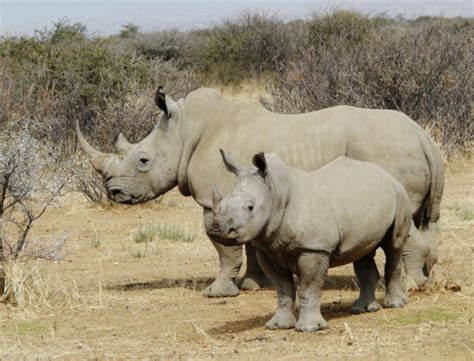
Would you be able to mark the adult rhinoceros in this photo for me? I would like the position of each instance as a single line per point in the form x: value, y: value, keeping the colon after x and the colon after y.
x: 183, y: 150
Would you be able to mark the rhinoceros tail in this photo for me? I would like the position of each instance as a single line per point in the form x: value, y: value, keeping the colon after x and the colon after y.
x: 434, y: 157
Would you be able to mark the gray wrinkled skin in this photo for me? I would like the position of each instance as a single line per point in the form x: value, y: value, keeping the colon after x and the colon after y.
x: 183, y: 150
x: 305, y: 222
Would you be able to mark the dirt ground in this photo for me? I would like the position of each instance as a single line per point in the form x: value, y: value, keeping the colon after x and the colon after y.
x: 111, y: 297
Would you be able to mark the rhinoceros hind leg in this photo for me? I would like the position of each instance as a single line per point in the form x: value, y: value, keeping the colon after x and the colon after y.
x: 394, y: 295
x: 367, y: 276
x: 254, y: 277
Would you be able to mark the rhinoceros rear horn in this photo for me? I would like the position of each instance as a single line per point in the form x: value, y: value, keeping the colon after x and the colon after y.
x: 216, y: 198
x: 122, y: 145
x: 160, y: 99
x: 98, y: 158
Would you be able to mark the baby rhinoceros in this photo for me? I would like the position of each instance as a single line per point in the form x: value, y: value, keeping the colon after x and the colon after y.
x: 302, y: 223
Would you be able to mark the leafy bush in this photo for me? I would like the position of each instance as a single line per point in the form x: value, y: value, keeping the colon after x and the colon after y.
x: 244, y: 46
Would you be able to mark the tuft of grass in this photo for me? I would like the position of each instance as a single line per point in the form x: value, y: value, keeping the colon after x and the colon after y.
x: 417, y: 317
x: 172, y: 203
x: 462, y: 210
x: 140, y: 252
x: 29, y: 327
x: 165, y: 231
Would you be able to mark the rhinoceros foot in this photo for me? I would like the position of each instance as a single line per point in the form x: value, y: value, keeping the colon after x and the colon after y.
x: 281, y: 321
x: 311, y: 323
x: 362, y: 306
x: 395, y: 301
x: 254, y: 282
x: 221, y: 287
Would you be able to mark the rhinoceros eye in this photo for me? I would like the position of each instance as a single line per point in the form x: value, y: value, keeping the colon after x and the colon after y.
x: 144, y: 161
x: 250, y: 208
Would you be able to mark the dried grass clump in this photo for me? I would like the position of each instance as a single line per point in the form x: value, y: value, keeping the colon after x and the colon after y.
x: 165, y: 231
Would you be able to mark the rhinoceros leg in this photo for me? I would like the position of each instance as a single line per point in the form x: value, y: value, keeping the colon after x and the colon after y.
x: 394, y: 295
x: 313, y: 269
x: 415, y: 254
x: 230, y: 261
x: 254, y: 277
x: 367, y: 276
x: 283, y: 281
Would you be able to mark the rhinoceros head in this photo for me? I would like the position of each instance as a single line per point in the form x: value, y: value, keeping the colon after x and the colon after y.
x: 244, y: 213
x: 145, y: 170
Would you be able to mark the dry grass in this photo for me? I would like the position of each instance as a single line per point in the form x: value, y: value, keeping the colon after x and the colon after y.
x: 164, y: 231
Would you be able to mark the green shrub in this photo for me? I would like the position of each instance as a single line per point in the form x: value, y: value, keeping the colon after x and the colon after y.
x: 244, y: 46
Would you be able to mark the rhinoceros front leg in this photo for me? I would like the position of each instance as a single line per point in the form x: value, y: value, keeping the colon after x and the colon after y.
x: 283, y: 281
x: 254, y: 277
x: 230, y: 261
x: 312, y: 269
x: 367, y: 277
x: 415, y: 254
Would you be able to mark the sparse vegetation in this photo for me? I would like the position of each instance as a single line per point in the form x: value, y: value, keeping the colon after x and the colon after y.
x: 164, y: 231
x: 433, y: 315
x: 463, y: 210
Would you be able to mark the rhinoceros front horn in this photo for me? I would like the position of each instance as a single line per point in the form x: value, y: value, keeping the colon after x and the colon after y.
x: 98, y: 158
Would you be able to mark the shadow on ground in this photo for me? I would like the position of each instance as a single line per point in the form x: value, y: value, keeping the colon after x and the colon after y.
x: 330, y: 311
x: 333, y: 282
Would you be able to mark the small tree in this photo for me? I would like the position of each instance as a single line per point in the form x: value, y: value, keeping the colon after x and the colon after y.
x: 31, y: 178
x: 129, y: 30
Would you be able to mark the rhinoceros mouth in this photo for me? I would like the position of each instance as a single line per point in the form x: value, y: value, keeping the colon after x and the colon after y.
x: 117, y: 195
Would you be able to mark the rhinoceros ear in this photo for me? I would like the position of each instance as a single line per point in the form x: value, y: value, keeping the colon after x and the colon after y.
x: 230, y: 163
x: 261, y: 163
x: 160, y: 99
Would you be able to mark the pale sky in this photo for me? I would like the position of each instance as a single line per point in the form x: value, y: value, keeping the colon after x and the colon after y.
x: 18, y: 17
